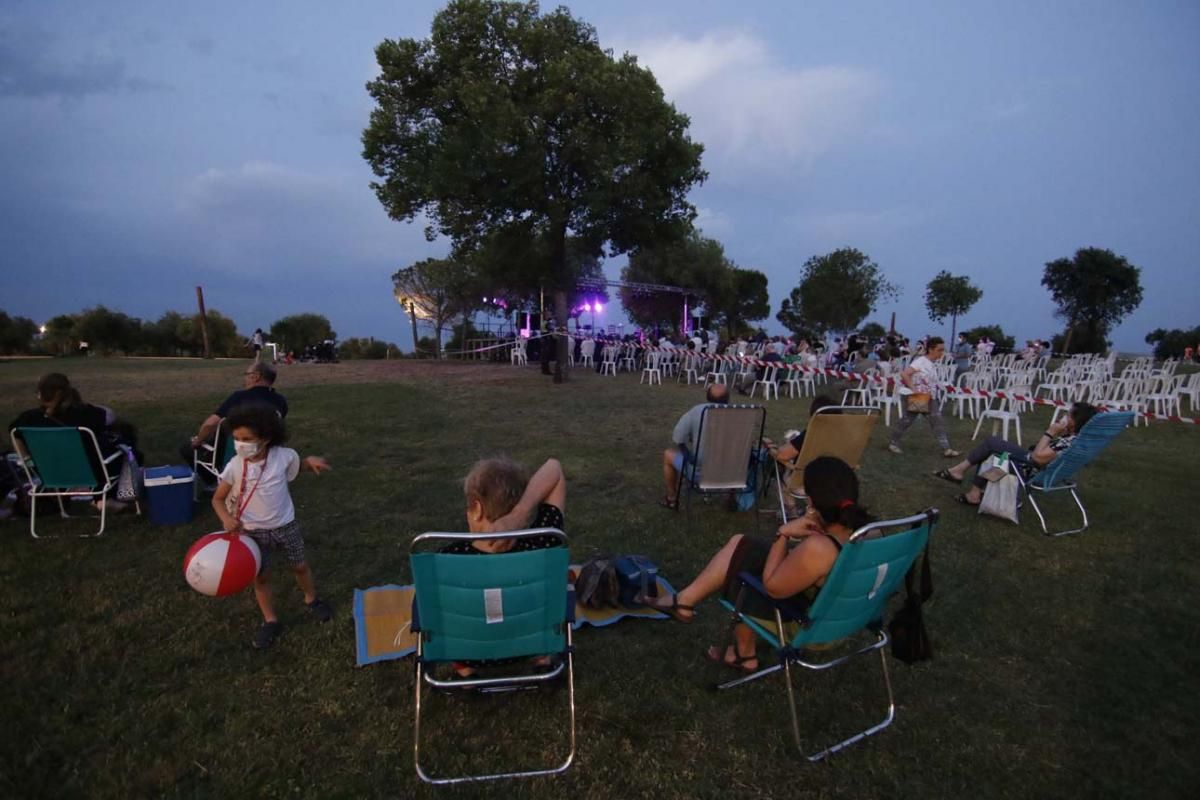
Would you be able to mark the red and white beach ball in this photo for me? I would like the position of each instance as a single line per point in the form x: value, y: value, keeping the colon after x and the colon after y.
x: 221, y: 563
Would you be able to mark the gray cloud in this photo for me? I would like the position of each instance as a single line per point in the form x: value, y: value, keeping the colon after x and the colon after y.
x: 27, y: 71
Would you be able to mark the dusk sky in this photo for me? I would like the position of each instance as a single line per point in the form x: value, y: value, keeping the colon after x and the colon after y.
x: 150, y: 147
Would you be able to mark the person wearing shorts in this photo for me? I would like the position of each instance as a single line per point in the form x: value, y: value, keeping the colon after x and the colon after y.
x: 686, y: 437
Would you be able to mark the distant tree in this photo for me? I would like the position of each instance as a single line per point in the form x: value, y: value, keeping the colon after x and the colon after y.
x: 108, y: 331
x: 995, y: 334
x: 836, y: 292
x: 1171, y: 343
x: 513, y: 123
x: 695, y: 262
x: 16, y: 334
x: 872, y: 331
x: 1096, y: 289
x: 741, y: 300
x: 366, y: 349
x: 950, y: 296
x: 60, y: 338
x: 432, y: 289
x: 299, y: 331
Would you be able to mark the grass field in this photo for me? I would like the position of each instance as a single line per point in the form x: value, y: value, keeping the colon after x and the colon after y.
x: 1064, y: 668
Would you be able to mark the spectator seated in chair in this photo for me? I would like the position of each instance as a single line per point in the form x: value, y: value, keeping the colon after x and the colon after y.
x: 258, y: 388
x: 1056, y: 439
x: 686, y: 437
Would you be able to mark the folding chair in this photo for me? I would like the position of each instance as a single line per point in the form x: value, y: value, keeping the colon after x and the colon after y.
x: 727, y: 442
x: 481, y: 607
x: 66, y: 462
x: 841, y: 431
x: 212, y: 456
x: 1059, y: 474
x: 868, y: 571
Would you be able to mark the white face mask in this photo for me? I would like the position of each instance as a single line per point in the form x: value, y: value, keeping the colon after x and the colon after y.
x: 247, y: 449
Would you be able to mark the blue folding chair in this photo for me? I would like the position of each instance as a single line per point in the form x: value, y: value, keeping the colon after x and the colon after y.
x: 868, y: 571
x: 488, y: 607
x: 66, y: 462
x: 1059, y: 474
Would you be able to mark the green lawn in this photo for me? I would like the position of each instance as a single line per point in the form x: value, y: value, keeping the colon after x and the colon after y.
x: 1064, y: 667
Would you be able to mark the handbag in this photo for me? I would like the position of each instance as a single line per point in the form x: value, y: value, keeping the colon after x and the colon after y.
x: 1000, y: 498
x: 910, y: 638
x: 129, y: 482
x: 918, y: 403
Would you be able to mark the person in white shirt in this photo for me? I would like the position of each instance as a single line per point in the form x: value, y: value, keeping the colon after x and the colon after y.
x: 921, y: 378
x: 253, y: 499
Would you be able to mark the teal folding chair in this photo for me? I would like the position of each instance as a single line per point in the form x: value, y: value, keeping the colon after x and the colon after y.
x: 869, y: 570
x: 212, y: 457
x: 66, y: 462
x: 489, y: 607
x: 1059, y: 474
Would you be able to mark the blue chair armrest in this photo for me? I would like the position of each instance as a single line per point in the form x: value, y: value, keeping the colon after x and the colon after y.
x: 788, y: 608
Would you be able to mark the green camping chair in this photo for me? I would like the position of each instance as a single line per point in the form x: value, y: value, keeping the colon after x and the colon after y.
x: 869, y: 570
x: 66, y: 462
x: 488, y: 607
x: 212, y: 456
x: 1059, y: 474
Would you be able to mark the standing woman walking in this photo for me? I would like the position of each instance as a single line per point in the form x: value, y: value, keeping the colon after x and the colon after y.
x: 921, y: 377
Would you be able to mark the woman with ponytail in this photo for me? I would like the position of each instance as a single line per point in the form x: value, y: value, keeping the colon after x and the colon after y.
x: 793, y: 564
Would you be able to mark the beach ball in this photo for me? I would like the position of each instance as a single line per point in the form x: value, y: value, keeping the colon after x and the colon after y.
x: 221, y: 563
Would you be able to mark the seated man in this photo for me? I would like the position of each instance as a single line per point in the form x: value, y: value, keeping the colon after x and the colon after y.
x: 258, y: 389
x: 1057, y: 438
x: 686, y: 437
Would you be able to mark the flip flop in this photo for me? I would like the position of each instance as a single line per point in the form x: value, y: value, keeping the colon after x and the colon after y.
x: 672, y: 610
x: 962, y: 498
x: 716, y: 654
x: 945, y: 475
x: 671, y: 505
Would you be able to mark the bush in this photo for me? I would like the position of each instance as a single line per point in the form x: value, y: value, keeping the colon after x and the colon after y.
x: 1171, y: 344
x: 367, y: 348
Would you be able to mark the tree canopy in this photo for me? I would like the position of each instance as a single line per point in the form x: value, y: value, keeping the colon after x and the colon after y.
x: 299, y: 331
x: 694, y: 262
x: 1096, y: 289
x: 950, y: 296
x: 836, y: 292
x: 510, y: 123
x: 436, y: 290
x: 741, y: 299
x: 1172, y: 343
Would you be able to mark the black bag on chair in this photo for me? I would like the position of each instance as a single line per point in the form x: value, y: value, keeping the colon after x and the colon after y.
x: 910, y: 639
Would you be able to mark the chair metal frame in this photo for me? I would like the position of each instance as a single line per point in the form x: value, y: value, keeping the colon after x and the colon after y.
x: 38, y: 488
x: 716, y: 484
x: 498, y: 684
x: 791, y: 649
x: 221, y: 445
x: 1058, y: 475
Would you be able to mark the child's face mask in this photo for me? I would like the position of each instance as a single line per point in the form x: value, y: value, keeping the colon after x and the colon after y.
x: 247, y: 449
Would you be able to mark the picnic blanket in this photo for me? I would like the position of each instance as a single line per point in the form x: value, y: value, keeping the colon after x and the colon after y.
x: 383, y: 620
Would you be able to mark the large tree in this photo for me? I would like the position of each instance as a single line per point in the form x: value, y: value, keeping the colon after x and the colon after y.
x: 741, y: 300
x: 836, y: 292
x: 1096, y: 289
x: 431, y: 290
x: 695, y: 263
x: 514, y: 123
x: 950, y: 296
x: 299, y: 331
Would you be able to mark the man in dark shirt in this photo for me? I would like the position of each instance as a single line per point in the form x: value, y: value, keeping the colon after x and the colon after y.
x: 259, y: 381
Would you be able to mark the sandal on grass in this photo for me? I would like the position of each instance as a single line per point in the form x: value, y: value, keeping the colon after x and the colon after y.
x: 945, y: 475
x: 720, y: 655
x: 670, y: 504
x: 962, y: 498
x: 676, y: 611
x: 267, y: 633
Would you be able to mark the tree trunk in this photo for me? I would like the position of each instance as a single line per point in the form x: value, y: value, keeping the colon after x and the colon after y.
x: 412, y: 315
x: 1067, y: 338
x: 437, y: 342
x: 558, y: 265
x: 953, y: 329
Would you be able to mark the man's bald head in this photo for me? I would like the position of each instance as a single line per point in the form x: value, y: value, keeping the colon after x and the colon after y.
x: 718, y: 393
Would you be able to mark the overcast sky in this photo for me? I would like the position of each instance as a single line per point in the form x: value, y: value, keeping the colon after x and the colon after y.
x: 149, y: 147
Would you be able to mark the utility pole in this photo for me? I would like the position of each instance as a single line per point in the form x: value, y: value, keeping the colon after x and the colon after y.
x: 203, y: 321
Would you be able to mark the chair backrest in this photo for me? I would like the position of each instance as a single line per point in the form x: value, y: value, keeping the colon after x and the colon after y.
x: 587, y: 348
x: 868, y: 571
x: 727, y: 439
x: 490, y: 606
x: 841, y: 431
x: 1095, y: 436
x: 61, y: 456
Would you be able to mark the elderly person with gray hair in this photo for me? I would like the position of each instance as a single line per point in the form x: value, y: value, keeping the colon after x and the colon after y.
x: 258, y: 388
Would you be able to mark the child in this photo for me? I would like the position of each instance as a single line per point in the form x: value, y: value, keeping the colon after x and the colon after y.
x: 253, y: 498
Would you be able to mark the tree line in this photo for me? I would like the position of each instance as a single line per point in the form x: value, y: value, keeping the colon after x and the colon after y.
x: 110, y: 332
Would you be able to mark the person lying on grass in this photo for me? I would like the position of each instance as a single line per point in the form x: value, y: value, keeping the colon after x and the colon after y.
x: 794, y: 564
x: 499, y: 499
x: 1057, y: 438
x: 253, y: 498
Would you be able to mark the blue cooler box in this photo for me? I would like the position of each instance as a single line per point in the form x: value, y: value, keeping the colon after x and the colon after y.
x: 169, y: 494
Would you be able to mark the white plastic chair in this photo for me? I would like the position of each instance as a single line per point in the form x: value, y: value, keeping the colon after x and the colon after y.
x: 651, y: 372
x: 1008, y: 410
x: 608, y: 366
x: 517, y: 357
x: 586, y: 351
x: 768, y: 383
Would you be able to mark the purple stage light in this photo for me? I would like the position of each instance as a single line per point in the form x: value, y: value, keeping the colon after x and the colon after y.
x: 587, y: 307
x: 598, y: 306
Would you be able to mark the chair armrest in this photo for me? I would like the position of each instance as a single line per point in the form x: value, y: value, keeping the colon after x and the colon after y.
x: 114, y: 456
x: 789, y: 608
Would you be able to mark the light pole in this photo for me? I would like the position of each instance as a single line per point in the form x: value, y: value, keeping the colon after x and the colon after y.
x: 407, y: 304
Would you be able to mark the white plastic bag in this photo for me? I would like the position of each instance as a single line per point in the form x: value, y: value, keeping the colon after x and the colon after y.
x: 995, y: 468
x: 1000, y: 498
